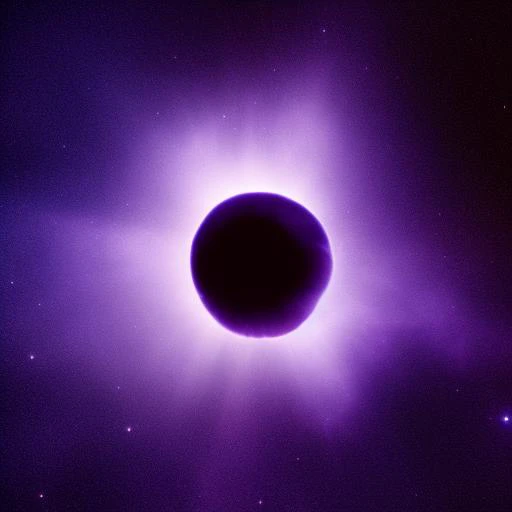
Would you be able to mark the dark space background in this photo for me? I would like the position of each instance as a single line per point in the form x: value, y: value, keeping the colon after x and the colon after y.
x: 104, y: 406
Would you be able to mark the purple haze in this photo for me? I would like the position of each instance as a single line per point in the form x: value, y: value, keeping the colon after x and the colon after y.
x: 124, y: 126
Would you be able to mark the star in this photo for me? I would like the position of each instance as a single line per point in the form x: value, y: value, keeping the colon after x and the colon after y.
x: 128, y: 429
x: 31, y: 357
x: 41, y: 495
x: 260, y: 502
x: 506, y: 419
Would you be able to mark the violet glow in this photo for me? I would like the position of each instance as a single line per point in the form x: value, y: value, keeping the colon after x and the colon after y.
x: 123, y: 126
x: 290, y: 152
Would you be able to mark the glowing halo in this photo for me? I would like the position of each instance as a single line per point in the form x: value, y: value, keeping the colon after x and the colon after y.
x: 179, y: 173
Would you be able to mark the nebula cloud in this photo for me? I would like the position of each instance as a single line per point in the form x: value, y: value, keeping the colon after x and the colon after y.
x: 123, y: 127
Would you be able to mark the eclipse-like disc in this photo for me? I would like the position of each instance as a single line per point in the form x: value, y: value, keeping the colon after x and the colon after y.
x: 260, y: 262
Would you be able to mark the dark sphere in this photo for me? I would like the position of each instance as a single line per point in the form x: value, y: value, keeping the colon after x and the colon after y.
x: 260, y: 262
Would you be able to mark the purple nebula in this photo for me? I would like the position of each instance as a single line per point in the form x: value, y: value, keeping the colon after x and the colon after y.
x: 260, y: 263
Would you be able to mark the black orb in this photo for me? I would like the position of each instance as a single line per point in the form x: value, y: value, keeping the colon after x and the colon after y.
x: 260, y: 263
